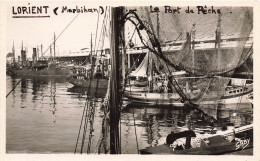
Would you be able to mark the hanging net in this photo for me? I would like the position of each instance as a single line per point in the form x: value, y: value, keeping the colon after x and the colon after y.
x: 235, y: 22
x: 205, y: 50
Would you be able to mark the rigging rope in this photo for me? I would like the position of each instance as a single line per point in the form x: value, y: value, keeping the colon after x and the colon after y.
x: 85, y: 126
x: 91, y: 103
x: 75, y: 150
x: 96, y: 32
x: 87, y: 114
x: 102, y: 33
x: 174, y: 41
x: 102, y: 36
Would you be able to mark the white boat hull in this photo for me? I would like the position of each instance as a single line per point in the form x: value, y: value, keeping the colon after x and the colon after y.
x: 141, y: 96
x: 155, y: 98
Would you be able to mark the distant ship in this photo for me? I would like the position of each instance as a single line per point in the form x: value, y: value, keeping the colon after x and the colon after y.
x: 37, y: 66
x: 41, y: 68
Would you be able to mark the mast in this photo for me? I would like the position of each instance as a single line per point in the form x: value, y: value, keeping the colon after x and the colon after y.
x: 41, y: 51
x: 150, y: 72
x: 51, y: 53
x: 193, y: 33
x: 158, y: 26
x: 91, y: 45
x: 22, y: 55
x: 115, y: 83
x: 37, y: 55
x: 54, y: 54
x: 218, y: 41
x: 123, y: 54
x: 13, y: 51
x: 26, y: 50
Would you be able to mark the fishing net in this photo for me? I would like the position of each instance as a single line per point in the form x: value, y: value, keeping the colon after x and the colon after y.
x: 211, y: 32
x: 206, y: 48
x: 204, y: 92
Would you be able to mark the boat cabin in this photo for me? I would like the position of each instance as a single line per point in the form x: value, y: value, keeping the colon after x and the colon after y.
x: 40, y: 65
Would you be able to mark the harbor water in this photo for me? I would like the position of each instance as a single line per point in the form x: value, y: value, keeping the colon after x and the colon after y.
x: 43, y: 115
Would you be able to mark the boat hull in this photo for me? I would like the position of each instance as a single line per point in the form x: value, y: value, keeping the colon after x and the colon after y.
x: 95, y: 83
x: 155, y: 98
x: 135, y: 95
x: 217, y: 144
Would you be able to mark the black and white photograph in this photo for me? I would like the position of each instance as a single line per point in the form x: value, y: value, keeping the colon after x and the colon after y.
x: 98, y: 78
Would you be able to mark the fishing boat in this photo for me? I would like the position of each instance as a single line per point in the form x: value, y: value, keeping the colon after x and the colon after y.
x: 208, y: 141
x: 233, y: 140
x: 232, y: 95
x: 82, y: 91
x: 80, y: 77
x: 93, y: 75
x: 160, y: 91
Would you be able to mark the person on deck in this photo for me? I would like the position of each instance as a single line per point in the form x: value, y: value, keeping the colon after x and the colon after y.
x: 98, y: 73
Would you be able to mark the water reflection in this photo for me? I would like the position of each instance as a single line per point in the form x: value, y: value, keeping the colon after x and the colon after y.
x: 153, y: 124
x: 43, y: 116
x: 81, y: 91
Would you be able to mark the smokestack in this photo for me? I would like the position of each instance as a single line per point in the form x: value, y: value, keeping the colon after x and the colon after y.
x: 34, y: 56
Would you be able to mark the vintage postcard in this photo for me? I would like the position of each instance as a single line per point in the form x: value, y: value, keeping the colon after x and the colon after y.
x: 169, y: 79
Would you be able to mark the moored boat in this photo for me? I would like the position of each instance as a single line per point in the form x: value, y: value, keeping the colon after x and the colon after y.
x: 235, y: 140
x: 233, y: 95
x: 81, y: 77
x: 59, y: 71
x: 87, y: 83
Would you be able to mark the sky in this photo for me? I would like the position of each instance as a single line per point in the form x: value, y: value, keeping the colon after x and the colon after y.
x: 36, y: 31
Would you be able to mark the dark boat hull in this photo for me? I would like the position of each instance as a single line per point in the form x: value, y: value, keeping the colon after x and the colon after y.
x: 216, y: 144
x: 224, y: 148
x: 95, y: 83
x: 100, y: 93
